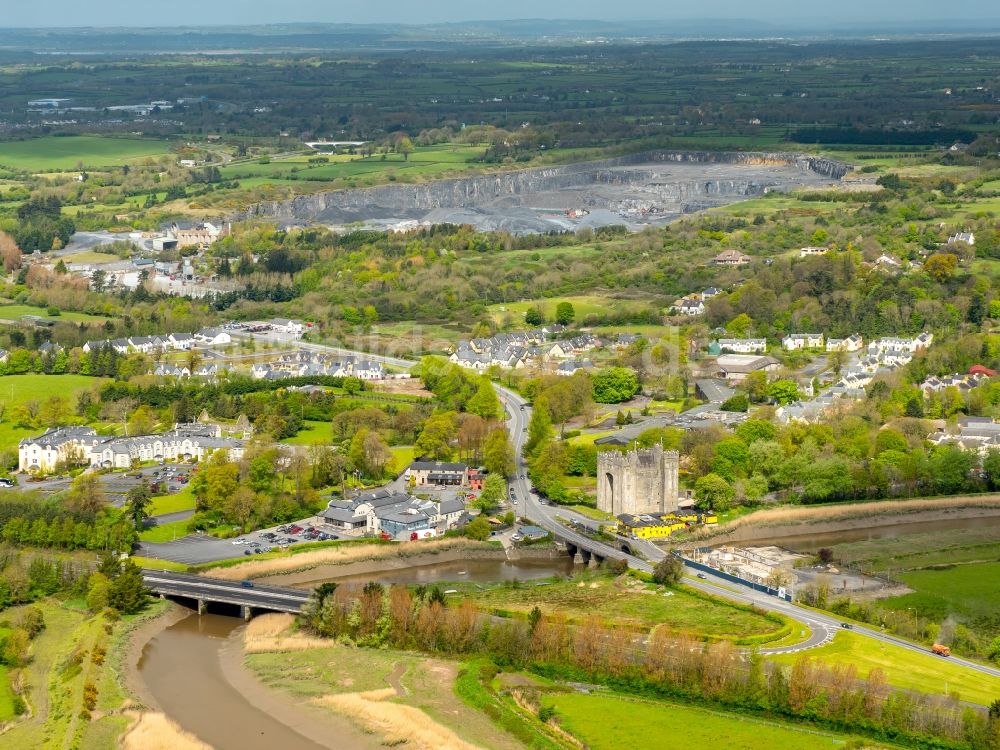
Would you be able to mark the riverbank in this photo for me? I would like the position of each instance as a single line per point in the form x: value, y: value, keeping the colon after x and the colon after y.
x: 367, y: 559
x: 236, y: 710
x: 393, y: 697
x: 774, y: 525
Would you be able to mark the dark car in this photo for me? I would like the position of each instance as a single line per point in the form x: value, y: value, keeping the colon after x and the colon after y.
x: 247, y: 552
x: 847, y: 626
x: 246, y: 584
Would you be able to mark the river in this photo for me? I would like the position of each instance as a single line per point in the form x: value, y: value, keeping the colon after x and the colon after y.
x: 191, y: 670
x: 478, y: 571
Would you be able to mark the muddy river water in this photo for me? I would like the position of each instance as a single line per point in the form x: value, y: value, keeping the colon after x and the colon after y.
x: 192, y: 671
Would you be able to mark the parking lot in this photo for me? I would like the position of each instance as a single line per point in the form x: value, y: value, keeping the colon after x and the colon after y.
x: 116, y: 485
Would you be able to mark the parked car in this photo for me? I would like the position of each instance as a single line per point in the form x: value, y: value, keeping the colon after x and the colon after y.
x: 5, y: 482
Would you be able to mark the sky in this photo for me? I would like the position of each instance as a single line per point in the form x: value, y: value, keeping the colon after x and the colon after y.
x: 48, y: 13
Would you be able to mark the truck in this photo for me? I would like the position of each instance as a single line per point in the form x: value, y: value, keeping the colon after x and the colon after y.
x: 941, y: 650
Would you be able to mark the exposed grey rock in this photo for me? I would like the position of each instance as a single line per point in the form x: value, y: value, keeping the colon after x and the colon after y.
x: 635, y: 190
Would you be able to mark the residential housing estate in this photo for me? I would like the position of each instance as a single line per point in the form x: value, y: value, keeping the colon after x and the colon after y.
x: 82, y: 446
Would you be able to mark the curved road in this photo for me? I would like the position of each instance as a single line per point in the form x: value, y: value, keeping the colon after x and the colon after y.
x: 822, y: 625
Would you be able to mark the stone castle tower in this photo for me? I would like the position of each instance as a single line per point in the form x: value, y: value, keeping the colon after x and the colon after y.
x: 637, y: 482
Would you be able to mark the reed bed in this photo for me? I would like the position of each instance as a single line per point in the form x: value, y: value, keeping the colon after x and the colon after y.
x: 394, y: 722
x: 790, y: 516
x: 154, y: 731
x: 337, y: 556
x: 273, y: 633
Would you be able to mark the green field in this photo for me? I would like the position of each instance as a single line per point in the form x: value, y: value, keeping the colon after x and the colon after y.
x: 607, y: 722
x: 15, y: 312
x: 402, y: 456
x: 425, y: 161
x: 40, y: 154
x: 904, y: 668
x: 910, y: 552
x: 17, y: 389
x: 969, y: 591
x: 312, y: 433
x: 583, y: 305
x: 183, y: 500
x: 636, y: 606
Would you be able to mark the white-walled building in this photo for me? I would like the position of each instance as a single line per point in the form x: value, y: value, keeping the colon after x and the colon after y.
x: 801, y: 341
x: 743, y: 346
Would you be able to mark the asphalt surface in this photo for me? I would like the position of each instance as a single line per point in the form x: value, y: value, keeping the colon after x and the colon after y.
x: 822, y: 625
x: 115, y: 485
x: 228, y: 592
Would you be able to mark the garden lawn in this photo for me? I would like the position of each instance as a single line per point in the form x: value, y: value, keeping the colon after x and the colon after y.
x: 311, y: 433
x: 16, y: 312
x: 183, y: 500
x: 402, y: 456
x: 607, y: 722
x: 40, y: 154
x: 904, y: 668
x: 168, y: 532
x: 644, y: 607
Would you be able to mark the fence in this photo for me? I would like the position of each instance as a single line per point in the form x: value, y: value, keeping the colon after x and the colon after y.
x: 763, y: 588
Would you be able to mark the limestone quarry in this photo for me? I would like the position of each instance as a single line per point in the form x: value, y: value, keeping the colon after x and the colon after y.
x: 637, y: 191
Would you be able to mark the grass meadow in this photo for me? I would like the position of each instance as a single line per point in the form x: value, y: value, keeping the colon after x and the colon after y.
x: 14, y: 312
x: 607, y: 722
x: 904, y: 668
x: 635, y: 606
x: 18, y: 389
x: 65, y: 153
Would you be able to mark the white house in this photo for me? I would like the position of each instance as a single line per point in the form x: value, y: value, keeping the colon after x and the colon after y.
x: 810, y: 251
x: 801, y: 341
x: 61, y: 445
x: 286, y: 325
x: 967, y: 237
x: 850, y: 344
x: 181, y: 341
x: 888, y: 262
x: 690, y: 307
x: 743, y: 346
x: 213, y: 336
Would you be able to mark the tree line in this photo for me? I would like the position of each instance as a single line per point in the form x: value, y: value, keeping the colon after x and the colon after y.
x: 667, y: 664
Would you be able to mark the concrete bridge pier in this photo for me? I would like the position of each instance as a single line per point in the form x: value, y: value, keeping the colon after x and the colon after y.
x: 202, y: 606
x: 586, y: 557
x: 247, y: 613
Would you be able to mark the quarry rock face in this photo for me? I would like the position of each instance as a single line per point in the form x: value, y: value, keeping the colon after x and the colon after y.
x: 635, y: 190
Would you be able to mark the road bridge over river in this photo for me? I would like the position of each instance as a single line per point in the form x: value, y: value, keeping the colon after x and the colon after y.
x: 202, y: 591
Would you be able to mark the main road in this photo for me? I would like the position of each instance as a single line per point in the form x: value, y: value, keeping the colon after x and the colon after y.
x: 822, y: 625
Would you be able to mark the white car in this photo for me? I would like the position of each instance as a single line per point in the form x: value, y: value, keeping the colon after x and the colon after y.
x: 239, y: 541
x: 516, y: 537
